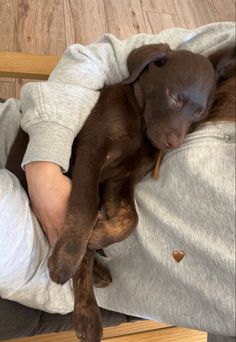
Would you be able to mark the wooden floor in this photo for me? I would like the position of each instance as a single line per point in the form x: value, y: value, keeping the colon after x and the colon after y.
x: 49, y: 26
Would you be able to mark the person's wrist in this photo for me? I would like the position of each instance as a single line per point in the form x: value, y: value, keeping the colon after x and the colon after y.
x: 42, y: 166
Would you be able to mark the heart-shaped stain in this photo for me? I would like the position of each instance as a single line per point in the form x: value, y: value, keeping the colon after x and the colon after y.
x: 178, y: 255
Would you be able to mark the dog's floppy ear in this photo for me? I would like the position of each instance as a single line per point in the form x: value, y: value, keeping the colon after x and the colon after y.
x: 224, y: 62
x: 141, y: 57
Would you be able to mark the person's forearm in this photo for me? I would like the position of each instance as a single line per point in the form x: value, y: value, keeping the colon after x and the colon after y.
x: 49, y: 192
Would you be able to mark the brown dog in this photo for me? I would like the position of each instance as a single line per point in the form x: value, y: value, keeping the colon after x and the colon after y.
x: 153, y: 110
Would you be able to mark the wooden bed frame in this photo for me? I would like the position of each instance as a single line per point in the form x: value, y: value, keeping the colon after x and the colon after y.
x: 21, y: 65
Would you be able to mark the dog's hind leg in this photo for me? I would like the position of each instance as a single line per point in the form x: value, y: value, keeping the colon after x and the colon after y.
x: 121, y: 215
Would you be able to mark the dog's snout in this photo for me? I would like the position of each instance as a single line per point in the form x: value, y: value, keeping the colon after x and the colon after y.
x: 174, y: 140
x: 172, y: 144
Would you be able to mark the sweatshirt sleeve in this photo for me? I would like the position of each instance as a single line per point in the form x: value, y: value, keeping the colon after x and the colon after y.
x: 54, y: 111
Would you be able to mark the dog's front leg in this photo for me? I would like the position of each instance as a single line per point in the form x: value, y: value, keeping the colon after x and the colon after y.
x: 87, y: 316
x: 121, y: 214
x: 82, y: 214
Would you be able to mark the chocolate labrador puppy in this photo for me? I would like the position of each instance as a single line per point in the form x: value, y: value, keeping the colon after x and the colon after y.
x: 166, y: 93
x: 151, y: 111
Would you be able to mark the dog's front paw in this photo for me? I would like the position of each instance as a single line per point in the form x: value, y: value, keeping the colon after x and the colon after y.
x: 65, y: 260
x: 88, y: 323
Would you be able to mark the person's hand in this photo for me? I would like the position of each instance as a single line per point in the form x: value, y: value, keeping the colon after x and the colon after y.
x: 49, y: 192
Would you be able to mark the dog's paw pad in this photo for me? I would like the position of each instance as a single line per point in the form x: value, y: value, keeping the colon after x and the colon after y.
x: 60, y: 272
x: 81, y: 335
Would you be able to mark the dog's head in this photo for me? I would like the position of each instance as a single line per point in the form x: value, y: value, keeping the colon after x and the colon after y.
x: 174, y: 89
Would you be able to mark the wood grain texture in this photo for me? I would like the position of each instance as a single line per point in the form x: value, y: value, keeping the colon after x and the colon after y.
x: 124, y: 17
x: 8, y: 40
x: 156, y: 22
x: 133, y: 328
x: 41, y: 27
x: 7, y: 90
x: 164, y: 335
x: 6, y: 79
x: 193, y: 13
x: 160, y: 6
x: 117, y: 331
x: 161, y: 14
x: 9, y: 25
x: 85, y: 21
x: 172, y: 334
x: 26, y: 65
x: 223, y: 9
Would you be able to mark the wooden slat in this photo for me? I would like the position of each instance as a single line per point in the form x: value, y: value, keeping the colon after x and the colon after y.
x: 169, y: 334
x: 164, y: 335
x: 15, y: 64
x: 132, y: 328
x: 117, y: 331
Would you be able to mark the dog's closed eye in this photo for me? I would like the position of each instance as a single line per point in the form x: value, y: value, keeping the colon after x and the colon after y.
x: 160, y: 62
x: 175, y: 101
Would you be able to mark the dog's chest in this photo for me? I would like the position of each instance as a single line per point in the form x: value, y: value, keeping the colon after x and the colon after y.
x: 124, y: 161
x: 116, y: 163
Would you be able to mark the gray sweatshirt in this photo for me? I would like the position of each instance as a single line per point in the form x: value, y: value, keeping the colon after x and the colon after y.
x: 191, y: 208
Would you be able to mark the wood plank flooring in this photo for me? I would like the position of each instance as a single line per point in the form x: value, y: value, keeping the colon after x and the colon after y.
x: 49, y: 26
